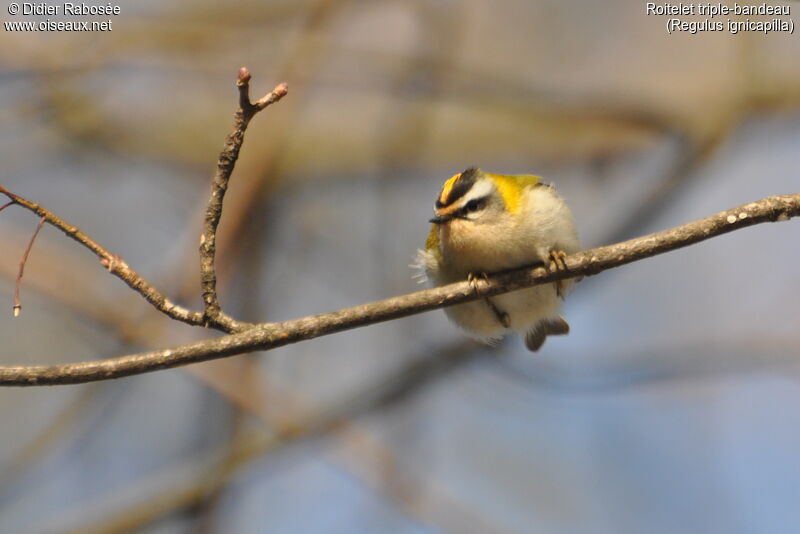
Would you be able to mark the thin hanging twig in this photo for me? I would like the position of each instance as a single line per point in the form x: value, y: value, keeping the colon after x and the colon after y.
x: 17, y: 302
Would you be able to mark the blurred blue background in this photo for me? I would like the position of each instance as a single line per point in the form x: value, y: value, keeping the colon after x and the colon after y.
x: 669, y: 407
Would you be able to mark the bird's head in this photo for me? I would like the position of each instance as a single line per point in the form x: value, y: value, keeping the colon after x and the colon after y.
x: 472, y: 196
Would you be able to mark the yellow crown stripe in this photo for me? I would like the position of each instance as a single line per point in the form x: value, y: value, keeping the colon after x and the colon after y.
x: 510, y: 187
x: 448, y: 186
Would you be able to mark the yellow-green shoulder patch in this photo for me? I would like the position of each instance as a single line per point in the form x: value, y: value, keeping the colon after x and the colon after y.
x: 511, y: 186
x: 432, y: 243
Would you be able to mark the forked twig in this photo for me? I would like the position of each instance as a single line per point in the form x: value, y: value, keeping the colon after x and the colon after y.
x: 112, y: 262
x: 213, y: 314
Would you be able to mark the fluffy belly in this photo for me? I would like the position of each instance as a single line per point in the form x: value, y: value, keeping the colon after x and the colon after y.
x: 525, y: 308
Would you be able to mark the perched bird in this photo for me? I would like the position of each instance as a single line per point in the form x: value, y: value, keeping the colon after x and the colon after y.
x: 486, y: 223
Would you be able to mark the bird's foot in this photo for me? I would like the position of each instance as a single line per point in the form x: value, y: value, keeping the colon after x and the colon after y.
x: 502, y: 317
x: 475, y: 280
x: 558, y: 263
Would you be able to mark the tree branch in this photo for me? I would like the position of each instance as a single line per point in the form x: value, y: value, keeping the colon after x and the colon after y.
x: 112, y: 262
x: 213, y: 315
x: 267, y: 336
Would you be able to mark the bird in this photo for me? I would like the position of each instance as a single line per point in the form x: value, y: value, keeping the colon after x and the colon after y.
x: 485, y: 223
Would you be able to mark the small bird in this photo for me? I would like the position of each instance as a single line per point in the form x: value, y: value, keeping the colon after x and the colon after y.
x: 486, y: 223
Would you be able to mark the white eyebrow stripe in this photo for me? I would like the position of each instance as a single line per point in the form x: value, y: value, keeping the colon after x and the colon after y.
x: 481, y: 189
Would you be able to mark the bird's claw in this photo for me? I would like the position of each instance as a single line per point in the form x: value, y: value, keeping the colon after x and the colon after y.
x: 558, y: 263
x: 475, y: 280
x: 502, y: 317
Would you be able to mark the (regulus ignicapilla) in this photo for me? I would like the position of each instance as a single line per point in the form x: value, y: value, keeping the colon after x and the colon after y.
x: 485, y: 223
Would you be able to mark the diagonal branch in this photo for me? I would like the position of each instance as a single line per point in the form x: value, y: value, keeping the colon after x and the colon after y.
x: 213, y: 315
x: 112, y: 262
x: 267, y: 336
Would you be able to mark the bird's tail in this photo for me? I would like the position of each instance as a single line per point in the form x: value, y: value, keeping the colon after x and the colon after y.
x: 535, y: 337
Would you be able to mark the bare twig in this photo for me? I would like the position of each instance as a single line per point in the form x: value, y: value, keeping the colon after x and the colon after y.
x: 23, y: 261
x: 213, y: 315
x: 261, y: 180
x: 271, y: 335
x: 112, y: 262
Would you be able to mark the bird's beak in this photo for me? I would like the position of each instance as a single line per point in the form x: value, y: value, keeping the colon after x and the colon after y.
x: 441, y: 219
x: 446, y: 214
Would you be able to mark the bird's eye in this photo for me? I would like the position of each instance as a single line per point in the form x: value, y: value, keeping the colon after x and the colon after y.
x: 474, y: 205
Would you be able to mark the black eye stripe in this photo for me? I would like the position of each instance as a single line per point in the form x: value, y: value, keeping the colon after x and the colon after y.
x: 474, y: 205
